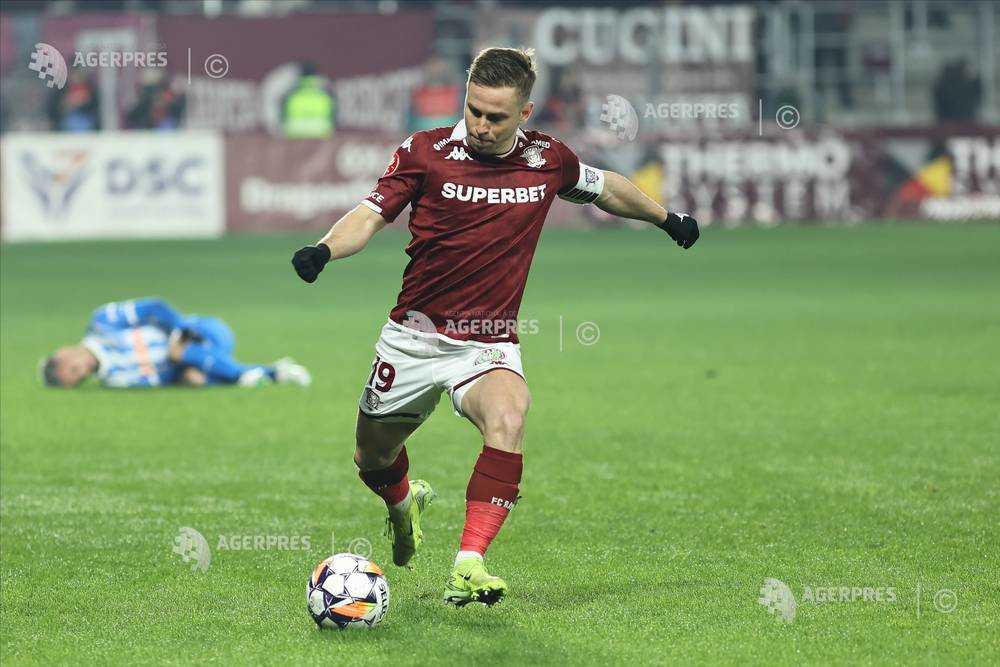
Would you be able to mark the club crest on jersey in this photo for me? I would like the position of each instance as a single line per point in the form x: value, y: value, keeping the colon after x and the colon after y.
x: 533, y: 156
x: 591, y: 175
x: 457, y: 153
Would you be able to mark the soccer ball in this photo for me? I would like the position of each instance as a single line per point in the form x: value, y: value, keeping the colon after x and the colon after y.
x: 347, y: 591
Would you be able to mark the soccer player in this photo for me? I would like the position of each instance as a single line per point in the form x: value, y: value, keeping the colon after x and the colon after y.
x: 479, y: 193
x: 146, y: 343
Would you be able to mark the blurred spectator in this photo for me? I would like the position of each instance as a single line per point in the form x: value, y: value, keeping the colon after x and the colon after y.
x: 957, y: 92
x: 438, y: 100
x: 649, y: 176
x: 160, y: 106
x: 75, y: 107
x: 308, y: 110
x: 563, y: 109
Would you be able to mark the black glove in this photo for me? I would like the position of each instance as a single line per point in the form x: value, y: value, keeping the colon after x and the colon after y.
x: 681, y: 228
x: 309, y: 261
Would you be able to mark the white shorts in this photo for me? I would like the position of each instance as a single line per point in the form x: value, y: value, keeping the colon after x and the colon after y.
x: 412, y: 368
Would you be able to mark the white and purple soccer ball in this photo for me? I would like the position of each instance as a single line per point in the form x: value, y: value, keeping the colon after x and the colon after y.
x: 347, y: 591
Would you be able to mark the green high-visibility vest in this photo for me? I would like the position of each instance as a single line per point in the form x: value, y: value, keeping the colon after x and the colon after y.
x: 309, y: 111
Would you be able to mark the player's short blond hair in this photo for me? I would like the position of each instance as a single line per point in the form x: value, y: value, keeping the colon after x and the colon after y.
x: 498, y: 67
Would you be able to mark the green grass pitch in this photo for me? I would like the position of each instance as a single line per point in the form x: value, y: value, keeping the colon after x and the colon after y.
x: 815, y: 405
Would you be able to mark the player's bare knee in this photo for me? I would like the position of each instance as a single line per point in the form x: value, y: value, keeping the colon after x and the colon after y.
x: 378, y: 444
x: 373, y: 456
x: 506, y: 424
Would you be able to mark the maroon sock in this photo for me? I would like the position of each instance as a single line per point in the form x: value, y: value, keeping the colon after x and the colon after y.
x: 490, y: 496
x: 390, y: 483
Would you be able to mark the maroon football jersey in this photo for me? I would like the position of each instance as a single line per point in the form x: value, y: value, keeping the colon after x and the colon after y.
x: 475, y: 222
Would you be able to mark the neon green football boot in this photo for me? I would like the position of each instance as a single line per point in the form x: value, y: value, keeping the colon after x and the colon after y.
x: 403, y: 528
x: 470, y: 582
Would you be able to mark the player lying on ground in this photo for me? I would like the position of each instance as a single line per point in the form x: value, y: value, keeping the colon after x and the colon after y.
x: 479, y: 194
x: 146, y: 343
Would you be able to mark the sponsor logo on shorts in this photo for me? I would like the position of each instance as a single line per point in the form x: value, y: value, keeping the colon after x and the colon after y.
x: 372, y: 400
x: 492, y: 356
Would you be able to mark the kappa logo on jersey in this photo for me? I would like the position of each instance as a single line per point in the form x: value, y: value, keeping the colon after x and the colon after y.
x: 475, y: 194
x: 407, y: 144
x: 533, y: 156
x: 457, y: 153
x: 392, y: 165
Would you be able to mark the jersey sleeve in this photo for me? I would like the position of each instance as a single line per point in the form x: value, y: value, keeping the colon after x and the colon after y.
x: 133, y: 313
x: 581, y: 183
x: 402, y: 180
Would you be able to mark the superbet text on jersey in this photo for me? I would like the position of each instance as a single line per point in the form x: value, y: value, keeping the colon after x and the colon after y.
x: 475, y: 223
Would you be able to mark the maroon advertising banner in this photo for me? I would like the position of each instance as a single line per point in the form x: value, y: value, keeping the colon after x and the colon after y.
x: 835, y: 177
x: 275, y: 184
x: 843, y: 176
x: 372, y: 62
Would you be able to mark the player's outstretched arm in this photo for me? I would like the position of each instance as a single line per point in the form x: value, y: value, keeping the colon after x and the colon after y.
x: 120, y: 315
x: 348, y: 236
x: 622, y: 198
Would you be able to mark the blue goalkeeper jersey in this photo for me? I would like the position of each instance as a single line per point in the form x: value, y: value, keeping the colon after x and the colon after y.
x: 131, y: 342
